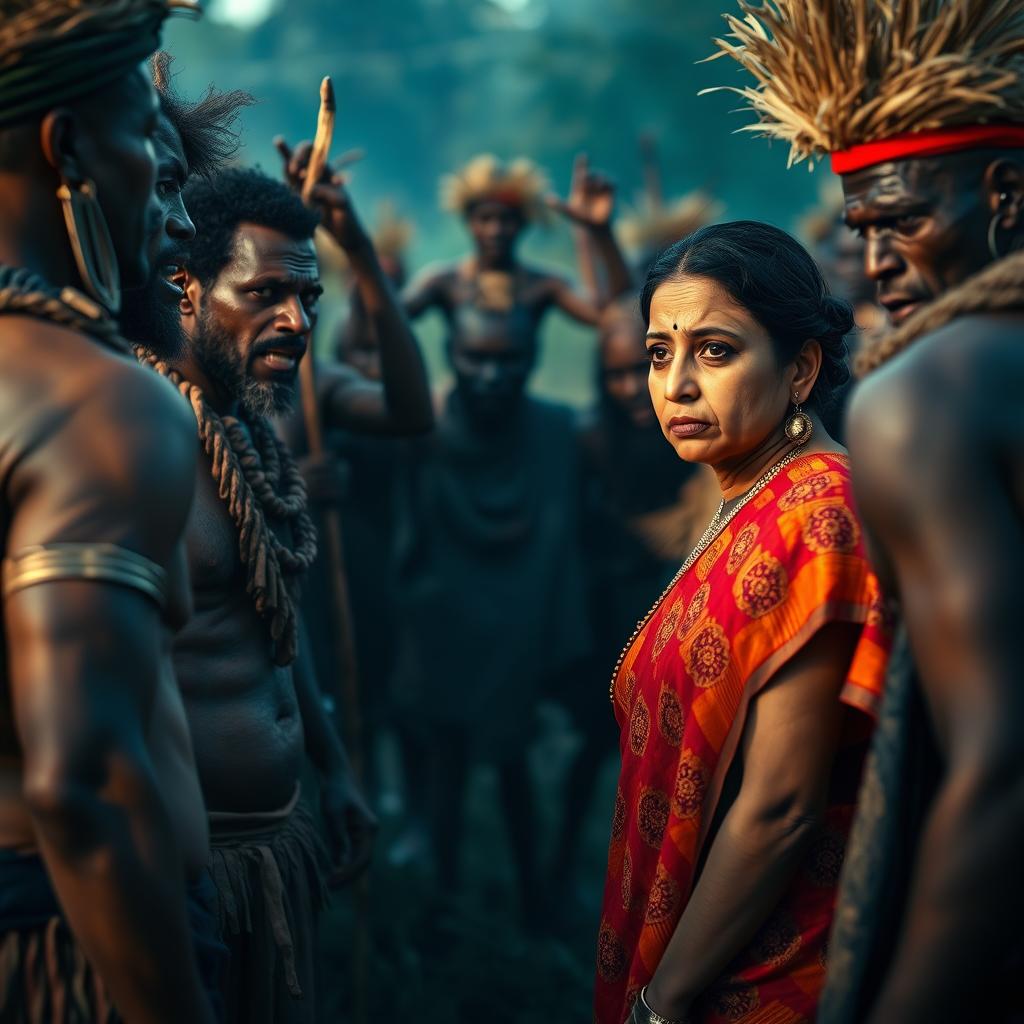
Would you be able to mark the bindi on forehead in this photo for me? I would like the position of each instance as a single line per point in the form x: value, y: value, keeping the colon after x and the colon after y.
x: 689, y: 303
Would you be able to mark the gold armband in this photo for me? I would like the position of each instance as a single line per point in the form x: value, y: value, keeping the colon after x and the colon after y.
x: 105, y: 563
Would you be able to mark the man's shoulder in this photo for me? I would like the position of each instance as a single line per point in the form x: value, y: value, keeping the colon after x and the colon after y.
x: 48, y: 372
x: 88, y: 417
x: 936, y: 414
x: 972, y: 364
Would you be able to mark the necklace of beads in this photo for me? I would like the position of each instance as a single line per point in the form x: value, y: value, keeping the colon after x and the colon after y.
x: 719, y: 522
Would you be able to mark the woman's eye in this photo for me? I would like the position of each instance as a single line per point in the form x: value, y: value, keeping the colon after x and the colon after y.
x: 658, y: 354
x: 167, y: 187
x: 716, y: 350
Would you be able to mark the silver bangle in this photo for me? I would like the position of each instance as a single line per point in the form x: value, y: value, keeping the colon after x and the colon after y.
x: 643, y: 1014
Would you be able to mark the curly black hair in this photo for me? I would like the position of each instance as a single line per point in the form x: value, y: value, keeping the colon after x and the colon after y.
x: 235, y: 195
x: 206, y: 126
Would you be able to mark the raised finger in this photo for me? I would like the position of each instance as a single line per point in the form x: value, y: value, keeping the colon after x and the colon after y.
x: 283, y: 148
x: 300, y: 159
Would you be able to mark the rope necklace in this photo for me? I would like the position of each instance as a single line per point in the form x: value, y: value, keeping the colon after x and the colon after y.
x: 256, y: 479
x: 719, y: 522
x: 25, y: 293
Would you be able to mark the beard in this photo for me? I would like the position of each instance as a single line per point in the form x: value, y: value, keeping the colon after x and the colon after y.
x: 148, y: 320
x: 218, y: 353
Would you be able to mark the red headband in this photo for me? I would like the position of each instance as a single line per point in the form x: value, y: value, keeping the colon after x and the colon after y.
x: 924, y: 144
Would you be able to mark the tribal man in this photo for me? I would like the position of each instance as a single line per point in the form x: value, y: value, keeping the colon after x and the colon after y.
x: 101, y: 816
x: 249, y: 303
x: 921, y: 107
x: 192, y: 137
x: 491, y: 292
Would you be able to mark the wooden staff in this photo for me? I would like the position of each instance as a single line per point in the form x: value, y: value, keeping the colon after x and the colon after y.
x: 344, y: 638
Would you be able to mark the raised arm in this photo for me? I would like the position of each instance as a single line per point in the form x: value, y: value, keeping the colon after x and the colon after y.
x: 89, y: 675
x: 931, y: 474
x: 590, y: 207
x: 401, y: 404
x: 789, y: 744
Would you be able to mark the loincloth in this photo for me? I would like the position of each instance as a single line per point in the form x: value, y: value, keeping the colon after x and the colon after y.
x: 45, y: 977
x: 269, y: 870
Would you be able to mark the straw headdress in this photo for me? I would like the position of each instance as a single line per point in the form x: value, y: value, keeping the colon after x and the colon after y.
x: 653, y: 225
x: 832, y: 75
x: 520, y: 183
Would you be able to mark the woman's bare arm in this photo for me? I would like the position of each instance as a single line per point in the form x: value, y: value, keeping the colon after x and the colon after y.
x: 789, y: 744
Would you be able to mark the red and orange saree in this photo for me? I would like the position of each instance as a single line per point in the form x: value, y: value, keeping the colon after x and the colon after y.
x: 791, y: 561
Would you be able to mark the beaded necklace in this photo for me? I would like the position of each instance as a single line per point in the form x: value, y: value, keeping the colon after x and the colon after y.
x: 718, y: 523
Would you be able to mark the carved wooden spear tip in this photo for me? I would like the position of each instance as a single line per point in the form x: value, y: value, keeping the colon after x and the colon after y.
x: 322, y: 140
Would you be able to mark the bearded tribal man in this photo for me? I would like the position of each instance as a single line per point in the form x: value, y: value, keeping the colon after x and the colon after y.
x: 249, y: 305
x: 921, y: 107
x: 192, y: 137
x: 101, y: 815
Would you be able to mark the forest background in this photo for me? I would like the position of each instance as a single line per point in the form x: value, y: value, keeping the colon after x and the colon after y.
x: 423, y: 85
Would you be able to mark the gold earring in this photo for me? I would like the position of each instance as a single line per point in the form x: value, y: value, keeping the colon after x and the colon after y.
x: 799, y: 426
x: 90, y: 243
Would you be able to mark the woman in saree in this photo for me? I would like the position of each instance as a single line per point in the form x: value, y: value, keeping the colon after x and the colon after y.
x: 747, y: 695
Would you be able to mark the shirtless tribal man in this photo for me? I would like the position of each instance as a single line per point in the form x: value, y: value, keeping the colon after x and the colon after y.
x: 250, y: 289
x: 101, y: 816
x: 932, y: 165
x: 491, y: 293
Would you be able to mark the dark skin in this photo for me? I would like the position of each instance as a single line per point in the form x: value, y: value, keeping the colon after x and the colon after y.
x: 97, y: 769
x: 397, y: 403
x: 625, y: 368
x: 150, y: 314
x: 491, y: 291
x: 253, y: 720
x: 925, y: 223
x: 943, y: 503
x: 714, y: 365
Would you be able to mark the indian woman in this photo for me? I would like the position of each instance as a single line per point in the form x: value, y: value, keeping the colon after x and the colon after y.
x: 747, y: 695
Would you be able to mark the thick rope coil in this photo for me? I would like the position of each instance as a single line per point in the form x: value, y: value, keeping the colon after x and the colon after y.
x: 257, y: 480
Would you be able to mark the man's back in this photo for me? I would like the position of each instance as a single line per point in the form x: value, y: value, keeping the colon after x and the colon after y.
x: 937, y: 445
